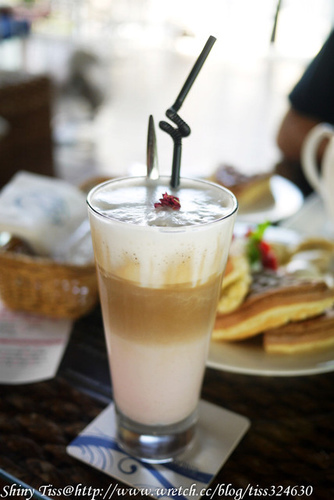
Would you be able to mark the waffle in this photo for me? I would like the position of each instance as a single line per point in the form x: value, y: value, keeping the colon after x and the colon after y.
x: 274, y: 300
x: 309, y: 335
x: 235, y: 285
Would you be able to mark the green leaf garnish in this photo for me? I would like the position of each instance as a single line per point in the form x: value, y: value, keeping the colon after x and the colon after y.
x: 259, y: 252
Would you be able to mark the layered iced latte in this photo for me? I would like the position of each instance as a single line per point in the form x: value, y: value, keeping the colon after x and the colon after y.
x: 160, y: 270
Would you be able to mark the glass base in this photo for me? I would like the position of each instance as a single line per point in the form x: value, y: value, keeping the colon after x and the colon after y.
x: 155, y: 444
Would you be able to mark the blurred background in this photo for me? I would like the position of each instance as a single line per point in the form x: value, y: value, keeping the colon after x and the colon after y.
x: 111, y: 63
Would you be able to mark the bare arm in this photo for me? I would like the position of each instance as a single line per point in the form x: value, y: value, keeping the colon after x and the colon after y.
x: 292, y: 133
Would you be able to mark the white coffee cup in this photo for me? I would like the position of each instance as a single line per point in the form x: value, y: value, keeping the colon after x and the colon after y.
x: 320, y: 177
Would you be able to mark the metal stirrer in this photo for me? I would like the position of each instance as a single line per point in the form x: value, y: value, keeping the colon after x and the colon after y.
x: 151, y: 152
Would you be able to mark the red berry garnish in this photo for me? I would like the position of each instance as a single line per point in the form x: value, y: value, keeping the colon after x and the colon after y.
x: 168, y: 201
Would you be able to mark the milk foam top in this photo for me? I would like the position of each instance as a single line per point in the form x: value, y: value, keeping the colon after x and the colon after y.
x: 156, y: 246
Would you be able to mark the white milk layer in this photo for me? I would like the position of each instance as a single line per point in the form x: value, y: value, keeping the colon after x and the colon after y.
x: 157, y: 384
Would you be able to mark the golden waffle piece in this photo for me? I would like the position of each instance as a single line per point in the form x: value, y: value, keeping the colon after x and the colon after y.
x: 304, y: 336
x: 235, y: 285
x: 274, y: 299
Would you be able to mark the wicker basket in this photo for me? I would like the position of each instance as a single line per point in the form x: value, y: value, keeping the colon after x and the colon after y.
x: 42, y: 286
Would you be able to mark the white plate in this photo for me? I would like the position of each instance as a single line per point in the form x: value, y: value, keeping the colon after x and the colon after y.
x: 286, y: 200
x: 250, y: 358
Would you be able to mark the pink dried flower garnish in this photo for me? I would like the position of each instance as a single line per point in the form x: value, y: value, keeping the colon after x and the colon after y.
x: 170, y: 201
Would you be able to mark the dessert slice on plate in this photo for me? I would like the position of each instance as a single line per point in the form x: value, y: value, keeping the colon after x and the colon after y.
x: 249, y: 189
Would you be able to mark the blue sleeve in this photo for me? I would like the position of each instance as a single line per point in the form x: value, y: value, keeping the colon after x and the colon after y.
x: 313, y: 95
x: 10, y: 27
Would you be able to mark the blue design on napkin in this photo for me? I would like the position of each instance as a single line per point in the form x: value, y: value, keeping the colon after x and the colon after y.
x: 85, y: 442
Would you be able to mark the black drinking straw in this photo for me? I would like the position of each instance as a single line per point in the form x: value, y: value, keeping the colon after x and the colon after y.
x: 183, y: 130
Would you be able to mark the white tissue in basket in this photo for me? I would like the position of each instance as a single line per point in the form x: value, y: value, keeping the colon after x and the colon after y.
x: 42, y: 210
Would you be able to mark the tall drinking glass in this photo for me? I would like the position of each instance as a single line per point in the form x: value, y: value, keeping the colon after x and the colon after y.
x: 160, y: 273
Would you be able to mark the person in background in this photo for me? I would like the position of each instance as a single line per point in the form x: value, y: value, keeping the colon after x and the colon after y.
x: 311, y: 102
